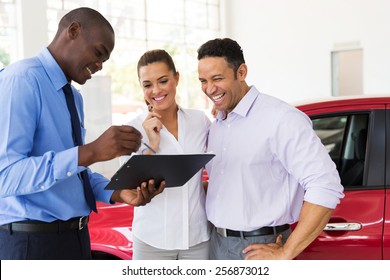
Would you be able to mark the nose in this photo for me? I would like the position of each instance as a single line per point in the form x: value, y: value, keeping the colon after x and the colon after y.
x: 99, y: 65
x: 155, y: 89
x: 209, y: 88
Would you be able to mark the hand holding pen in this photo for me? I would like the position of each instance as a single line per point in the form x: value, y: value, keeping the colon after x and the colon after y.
x: 152, y: 126
x: 150, y: 148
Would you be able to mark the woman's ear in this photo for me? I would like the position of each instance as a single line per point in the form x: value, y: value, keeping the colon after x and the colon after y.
x: 177, y: 76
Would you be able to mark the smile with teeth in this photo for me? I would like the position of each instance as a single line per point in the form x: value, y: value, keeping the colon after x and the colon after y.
x: 158, y: 98
x: 218, y: 97
x: 89, y: 70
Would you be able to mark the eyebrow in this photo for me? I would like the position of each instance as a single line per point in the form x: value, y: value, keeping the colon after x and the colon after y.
x: 164, y: 76
x: 147, y: 81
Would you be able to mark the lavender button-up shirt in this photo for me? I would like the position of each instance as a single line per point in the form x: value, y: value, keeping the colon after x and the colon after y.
x: 268, y: 160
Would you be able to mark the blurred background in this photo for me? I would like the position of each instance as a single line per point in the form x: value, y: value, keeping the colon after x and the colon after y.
x: 295, y: 50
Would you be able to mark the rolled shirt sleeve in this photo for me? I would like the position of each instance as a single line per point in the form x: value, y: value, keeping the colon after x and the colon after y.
x: 306, y: 159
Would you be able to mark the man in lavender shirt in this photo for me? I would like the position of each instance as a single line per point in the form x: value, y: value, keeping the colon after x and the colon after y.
x: 270, y: 169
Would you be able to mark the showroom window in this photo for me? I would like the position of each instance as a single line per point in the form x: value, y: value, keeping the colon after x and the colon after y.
x: 114, y: 96
x: 178, y: 26
x: 8, y: 38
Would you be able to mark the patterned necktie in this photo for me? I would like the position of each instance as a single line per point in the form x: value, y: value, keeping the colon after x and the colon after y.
x: 76, y: 127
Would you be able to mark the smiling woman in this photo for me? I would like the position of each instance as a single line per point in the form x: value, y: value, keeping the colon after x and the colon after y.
x: 139, y: 25
x: 175, y: 225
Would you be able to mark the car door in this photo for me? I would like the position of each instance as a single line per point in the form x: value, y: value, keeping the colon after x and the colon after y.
x: 386, y: 230
x: 355, y: 140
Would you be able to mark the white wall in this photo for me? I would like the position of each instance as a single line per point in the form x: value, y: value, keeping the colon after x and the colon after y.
x: 288, y: 43
x: 32, y: 27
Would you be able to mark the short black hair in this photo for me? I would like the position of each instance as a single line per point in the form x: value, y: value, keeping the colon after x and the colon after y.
x: 226, y: 48
x: 87, y: 17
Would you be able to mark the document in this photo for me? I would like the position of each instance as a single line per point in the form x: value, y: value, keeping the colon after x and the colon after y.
x: 176, y: 170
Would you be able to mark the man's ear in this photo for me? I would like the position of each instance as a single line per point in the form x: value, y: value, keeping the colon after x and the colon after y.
x: 74, y: 30
x: 242, y: 71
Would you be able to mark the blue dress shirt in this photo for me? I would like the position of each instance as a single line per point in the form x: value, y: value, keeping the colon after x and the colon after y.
x: 38, y: 161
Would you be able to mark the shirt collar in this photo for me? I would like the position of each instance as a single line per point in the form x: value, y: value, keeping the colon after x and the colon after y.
x: 180, y: 109
x: 53, y: 69
x: 244, y: 105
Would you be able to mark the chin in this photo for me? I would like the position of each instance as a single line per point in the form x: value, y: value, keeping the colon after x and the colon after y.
x: 81, y: 82
x: 220, y: 107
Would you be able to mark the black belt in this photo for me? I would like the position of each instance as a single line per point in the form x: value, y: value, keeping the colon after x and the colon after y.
x: 257, y: 232
x: 37, y: 226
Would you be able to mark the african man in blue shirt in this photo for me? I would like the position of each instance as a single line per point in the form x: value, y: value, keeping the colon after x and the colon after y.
x: 43, y: 210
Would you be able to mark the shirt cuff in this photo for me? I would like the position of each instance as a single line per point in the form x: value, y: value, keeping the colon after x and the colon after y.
x: 66, y: 164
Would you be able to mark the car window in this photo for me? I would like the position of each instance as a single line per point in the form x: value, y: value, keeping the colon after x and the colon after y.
x: 345, y: 138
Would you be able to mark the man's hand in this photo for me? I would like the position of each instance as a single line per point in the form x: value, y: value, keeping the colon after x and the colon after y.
x: 312, y: 221
x: 114, y: 142
x: 140, y: 196
x: 272, y: 251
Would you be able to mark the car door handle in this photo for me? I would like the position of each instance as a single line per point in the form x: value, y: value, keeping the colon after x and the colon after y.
x: 342, y: 226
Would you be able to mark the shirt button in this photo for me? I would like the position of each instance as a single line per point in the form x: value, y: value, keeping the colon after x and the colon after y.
x: 69, y: 174
x: 42, y: 187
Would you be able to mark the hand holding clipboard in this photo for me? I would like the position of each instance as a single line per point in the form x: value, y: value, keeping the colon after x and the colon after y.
x: 176, y: 170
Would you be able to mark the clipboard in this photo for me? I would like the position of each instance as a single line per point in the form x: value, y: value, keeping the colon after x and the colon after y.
x: 176, y: 170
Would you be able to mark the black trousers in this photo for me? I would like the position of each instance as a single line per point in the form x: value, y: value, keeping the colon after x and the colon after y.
x: 67, y: 245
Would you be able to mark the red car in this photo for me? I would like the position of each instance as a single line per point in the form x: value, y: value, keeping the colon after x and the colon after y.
x: 356, y: 132
x: 110, y: 230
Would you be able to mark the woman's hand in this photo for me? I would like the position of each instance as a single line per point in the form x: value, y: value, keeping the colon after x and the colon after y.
x: 152, y: 126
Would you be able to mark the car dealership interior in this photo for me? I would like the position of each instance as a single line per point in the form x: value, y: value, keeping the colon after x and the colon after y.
x: 329, y: 59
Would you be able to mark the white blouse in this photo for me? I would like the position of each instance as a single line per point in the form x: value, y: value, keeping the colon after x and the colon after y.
x: 176, y: 218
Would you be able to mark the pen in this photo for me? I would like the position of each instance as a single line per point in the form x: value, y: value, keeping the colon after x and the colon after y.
x: 150, y: 148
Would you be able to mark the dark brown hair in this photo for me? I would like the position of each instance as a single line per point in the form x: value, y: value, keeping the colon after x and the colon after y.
x: 156, y: 56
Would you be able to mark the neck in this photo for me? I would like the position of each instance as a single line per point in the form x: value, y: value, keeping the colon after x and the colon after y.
x: 169, y: 115
x: 53, y: 49
x: 243, y: 91
x: 169, y: 120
